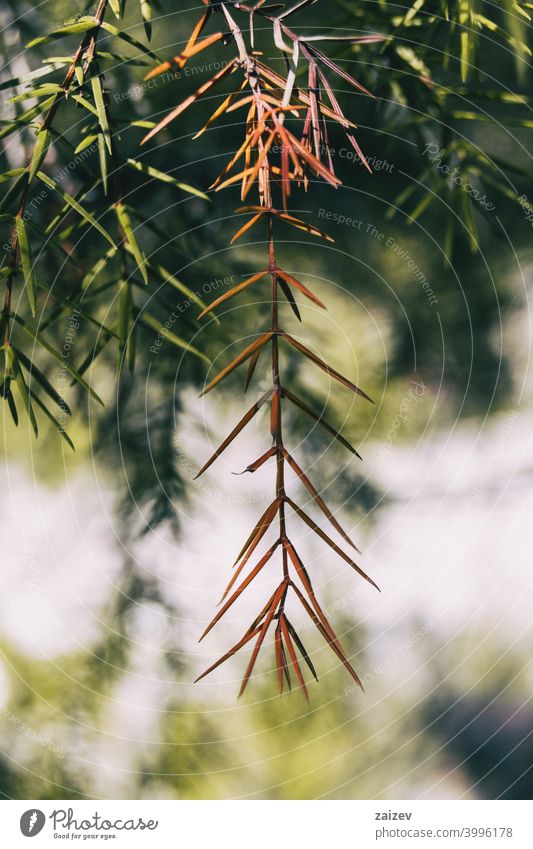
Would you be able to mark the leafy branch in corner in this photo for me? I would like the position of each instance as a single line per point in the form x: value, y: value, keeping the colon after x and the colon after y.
x: 113, y: 220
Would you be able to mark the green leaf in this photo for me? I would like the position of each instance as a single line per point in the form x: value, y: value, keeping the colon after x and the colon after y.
x: 124, y: 310
x: 12, y: 406
x: 36, y: 374
x: 13, y: 191
x: 75, y: 305
x: 98, y: 94
x: 424, y: 204
x: 112, y: 30
x: 102, y: 158
x: 14, y: 367
x: 465, y: 54
x: 60, y: 217
x: 164, y: 274
x: 116, y: 6
x: 166, y: 178
x: 414, y: 60
x: 122, y: 59
x: 37, y: 337
x: 448, y: 239
x: 42, y: 91
x: 171, y: 241
x: 400, y: 199
x: 468, y: 221
x: 146, y: 13
x: 132, y: 346
x: 154, y: 324
x: 417, y: 5
x: 82, y: 101
x: 466, y: 23
x: 42, y: 71
x: 56, y: 244
x: 53, y: 419
x: 27, y: 118
x: 94, y: 352
x: 39, y: 152
x: 519, y: 21
x: 81, y: 25
x: 9, y: 374
x: 72, y: 202
x: 98, y: 268
x: 86, y: 142
x: 143, y: 124
x: 10, y: 175
x: 129, y: 233
x: 27, y: 263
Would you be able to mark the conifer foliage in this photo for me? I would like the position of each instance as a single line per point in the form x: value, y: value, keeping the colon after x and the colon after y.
x: 289, y: 113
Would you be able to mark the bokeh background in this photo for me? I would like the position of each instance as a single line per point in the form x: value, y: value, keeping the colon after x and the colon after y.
x: 113, y: 558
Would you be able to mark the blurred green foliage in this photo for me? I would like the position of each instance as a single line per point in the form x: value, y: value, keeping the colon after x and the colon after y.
x: 449, y: 92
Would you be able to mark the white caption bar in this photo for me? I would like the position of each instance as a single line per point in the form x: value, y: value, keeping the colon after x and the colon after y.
x: 241, y: 825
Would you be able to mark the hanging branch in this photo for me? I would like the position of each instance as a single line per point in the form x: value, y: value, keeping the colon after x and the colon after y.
x: 267, y: 98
